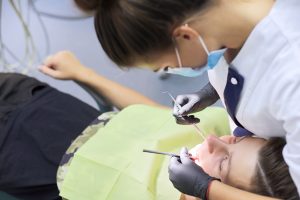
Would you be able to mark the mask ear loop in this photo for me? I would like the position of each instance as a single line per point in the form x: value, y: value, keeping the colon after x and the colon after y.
x: 177, y: 53
x: 203, y: 45
x: 178, y: 57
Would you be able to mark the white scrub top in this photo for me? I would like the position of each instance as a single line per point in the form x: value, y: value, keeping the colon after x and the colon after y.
x: 270, y: 64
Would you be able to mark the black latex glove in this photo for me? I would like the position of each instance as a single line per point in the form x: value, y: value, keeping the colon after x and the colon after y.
x: 188, y: 177
x: 191, y: 103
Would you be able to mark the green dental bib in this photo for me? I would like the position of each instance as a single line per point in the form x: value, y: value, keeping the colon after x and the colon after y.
x: 112, y: 166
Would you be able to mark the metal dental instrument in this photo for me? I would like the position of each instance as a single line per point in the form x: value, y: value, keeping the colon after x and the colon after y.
x: 198, y: 129
x: 166, y: 154
x: 162, y: 153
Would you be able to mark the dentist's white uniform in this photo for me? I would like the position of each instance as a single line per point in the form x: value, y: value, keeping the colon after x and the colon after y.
x: 269, y: 61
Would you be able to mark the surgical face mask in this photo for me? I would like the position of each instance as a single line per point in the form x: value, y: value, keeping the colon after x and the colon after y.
x: 213, y: 56
x: 212, y: 61
x: 187, y: 72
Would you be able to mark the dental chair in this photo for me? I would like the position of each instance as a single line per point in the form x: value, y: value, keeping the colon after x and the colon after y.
x: 102, y: 103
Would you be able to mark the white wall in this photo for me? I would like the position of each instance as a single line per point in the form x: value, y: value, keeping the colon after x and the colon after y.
x: 79, y: 37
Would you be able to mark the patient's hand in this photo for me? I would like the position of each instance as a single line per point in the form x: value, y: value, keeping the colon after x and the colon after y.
x: 65, y: 66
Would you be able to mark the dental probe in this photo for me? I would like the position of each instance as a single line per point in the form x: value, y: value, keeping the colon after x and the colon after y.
x: 198, y: 129
x: 162, y: 153
x: 166, y: 154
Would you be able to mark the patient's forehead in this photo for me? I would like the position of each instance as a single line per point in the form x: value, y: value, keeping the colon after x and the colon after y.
x: 244, y: 158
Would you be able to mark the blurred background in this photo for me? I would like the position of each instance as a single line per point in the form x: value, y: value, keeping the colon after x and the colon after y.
x: 30, y: 30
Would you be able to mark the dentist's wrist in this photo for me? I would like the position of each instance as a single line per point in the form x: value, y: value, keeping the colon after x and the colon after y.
x: 209, y: 189
x: 208, y: 95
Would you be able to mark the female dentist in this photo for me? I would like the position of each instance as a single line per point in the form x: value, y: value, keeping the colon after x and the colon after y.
x: 251, y: 50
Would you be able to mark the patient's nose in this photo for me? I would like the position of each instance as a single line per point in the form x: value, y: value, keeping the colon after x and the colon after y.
x: 216, y: 145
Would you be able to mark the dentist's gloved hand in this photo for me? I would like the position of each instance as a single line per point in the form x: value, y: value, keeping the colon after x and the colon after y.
x: 188, y: 177
x: 191, y: 103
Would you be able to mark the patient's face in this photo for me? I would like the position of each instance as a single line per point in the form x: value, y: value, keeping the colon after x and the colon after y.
x: 231, y: 159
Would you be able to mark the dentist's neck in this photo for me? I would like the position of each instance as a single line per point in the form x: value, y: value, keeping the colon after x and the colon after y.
x: 230, y: 23
x: 245, y: 16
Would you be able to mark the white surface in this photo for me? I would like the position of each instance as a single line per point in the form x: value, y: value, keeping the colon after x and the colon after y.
x: 270, y: 64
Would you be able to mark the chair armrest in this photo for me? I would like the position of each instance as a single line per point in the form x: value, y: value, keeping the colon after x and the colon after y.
x: 103, y: 104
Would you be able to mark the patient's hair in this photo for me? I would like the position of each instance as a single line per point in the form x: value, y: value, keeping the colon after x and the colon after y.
x: 129, y: 30
x: 272, y: 177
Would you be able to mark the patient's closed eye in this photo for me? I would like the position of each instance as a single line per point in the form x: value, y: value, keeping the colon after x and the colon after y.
x: 223, y: 163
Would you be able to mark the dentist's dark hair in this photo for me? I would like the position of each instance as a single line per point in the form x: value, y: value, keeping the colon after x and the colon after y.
x: 87, y: 5
x: 129, y: 30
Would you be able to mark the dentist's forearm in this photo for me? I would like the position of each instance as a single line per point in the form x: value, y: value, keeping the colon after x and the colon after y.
x: 118, y: 95
x: 220, y: 191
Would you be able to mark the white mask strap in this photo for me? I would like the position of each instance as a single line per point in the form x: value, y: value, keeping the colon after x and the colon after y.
x: 178, y: 57
x: 203, y: 45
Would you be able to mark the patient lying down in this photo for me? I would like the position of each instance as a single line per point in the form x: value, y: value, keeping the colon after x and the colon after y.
x: 249, y: 163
